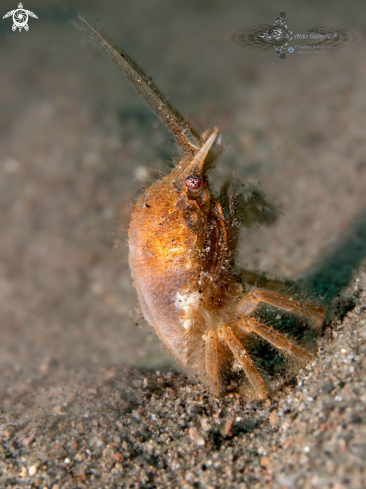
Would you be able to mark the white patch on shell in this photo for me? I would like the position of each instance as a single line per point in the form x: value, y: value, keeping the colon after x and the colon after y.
x: 177, y: 249
x: 187, y: 303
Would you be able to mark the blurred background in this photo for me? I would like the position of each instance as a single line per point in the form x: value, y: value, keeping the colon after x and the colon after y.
x: 76, y: 142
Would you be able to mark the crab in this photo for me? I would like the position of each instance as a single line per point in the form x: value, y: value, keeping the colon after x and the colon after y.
x: 182, y: 242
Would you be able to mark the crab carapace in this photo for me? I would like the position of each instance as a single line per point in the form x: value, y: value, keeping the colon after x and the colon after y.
x: 182, y: 241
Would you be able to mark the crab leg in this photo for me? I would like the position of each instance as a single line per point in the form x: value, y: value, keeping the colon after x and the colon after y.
x: 212, y: 361
x: 276, y: 339
x: 251, y: 301
x: 243, y: 357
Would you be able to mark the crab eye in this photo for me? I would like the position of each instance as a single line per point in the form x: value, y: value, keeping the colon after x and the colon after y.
x: 193, y: 182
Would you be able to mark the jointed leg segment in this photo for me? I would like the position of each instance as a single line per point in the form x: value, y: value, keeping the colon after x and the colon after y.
x: 245, y: 309
x: 250, y: 302
x: 212, y: 361
x: 245, y: 361
x: 276, y: 339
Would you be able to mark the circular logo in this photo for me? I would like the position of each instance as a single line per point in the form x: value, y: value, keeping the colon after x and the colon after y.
x: 20, y: 18
x: 290, y: 50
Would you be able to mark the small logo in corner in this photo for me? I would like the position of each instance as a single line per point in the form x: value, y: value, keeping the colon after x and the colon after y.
x: 20, y: 18
x: 266, y: 37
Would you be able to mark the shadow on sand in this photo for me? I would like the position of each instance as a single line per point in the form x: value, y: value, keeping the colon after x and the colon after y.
x: 336, y: 269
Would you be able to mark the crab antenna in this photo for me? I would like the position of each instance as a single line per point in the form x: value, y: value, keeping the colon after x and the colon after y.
x: 186, y: 137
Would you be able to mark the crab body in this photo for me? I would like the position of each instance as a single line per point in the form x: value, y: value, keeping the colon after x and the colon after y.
x: 180, y: 260
x: 181, y: 255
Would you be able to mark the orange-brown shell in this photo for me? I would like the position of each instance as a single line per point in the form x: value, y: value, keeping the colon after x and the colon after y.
x: 180, y: 262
